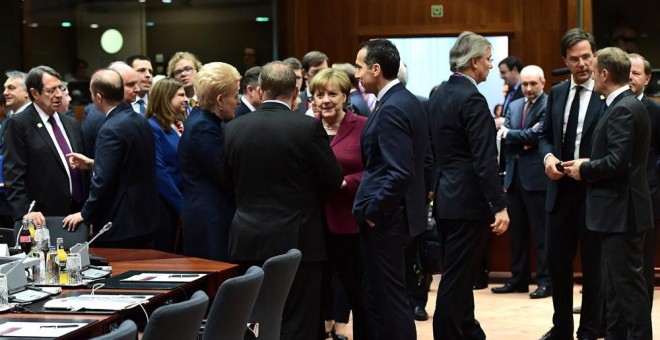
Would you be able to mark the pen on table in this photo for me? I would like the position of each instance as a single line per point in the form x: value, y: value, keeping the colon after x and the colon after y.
x: 59, y: 326
x: 184, y: 275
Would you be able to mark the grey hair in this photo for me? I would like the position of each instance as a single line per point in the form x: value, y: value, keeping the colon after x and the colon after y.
x: 468, y: 45
x: 17, y: 74
x: 119, y: 66
x: 402, y: 75
x: 533, y: 70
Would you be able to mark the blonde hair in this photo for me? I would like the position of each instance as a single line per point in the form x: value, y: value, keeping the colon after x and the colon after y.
x: 214, y: 79
x: 178, y: 56
x: 331, y: 75
x: 160, y: 102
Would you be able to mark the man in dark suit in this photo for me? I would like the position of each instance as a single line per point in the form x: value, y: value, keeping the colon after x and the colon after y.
x: 510, y: 68
x: 36, y: 143
x: 250, y: 100
x: 123, y: 189
x: 468, y: 194
x: 312, y: 63
x: 640, y: 75
x: 281, y: 168
x: 618, y: 207
x: 93, y: 118
x: 390, y: 202
x: 572, y: 113
x: 525, y: 184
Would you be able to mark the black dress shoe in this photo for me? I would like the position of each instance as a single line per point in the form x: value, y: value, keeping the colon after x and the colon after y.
x: 420, y: 314
x: 541, y: 292
x: 509, y: 288
x: 552, y: 335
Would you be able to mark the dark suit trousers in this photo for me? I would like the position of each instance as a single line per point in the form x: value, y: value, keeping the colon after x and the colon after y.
x: 383, y: 252
x: 649, y: 258
x: 346, y: 258
x: 526, y: 210
x: 628, y: 304
x: 564, y: 229
x: 463, y: 243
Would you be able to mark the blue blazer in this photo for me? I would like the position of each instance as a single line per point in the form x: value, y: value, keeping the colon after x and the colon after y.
x: 168, y: 172
x: 552, y: 134
x: 394, y: 143
x: 123, y: 189
x: 207, y: 207
x: 522, y: 144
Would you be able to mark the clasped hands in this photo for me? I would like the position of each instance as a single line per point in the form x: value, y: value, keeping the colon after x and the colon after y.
x: 570, y: 168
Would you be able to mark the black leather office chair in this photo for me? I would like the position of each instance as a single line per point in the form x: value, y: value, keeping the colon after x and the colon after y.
x: 126, y: 331
x: 179, y: 320
x: 54, y: 223
x: 7, y: 236
x: 233, y: 305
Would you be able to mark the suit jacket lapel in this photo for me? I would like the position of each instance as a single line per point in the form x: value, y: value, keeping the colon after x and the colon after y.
x: 346, y: 126
x: 560, y: 106
x: 594, y: 110
x: 42, y: 130
x: 534, y: 111
x: 609, y: 108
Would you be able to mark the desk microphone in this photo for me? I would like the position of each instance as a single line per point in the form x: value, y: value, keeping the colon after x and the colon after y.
x: 18, y: 236
x: 105, y: 228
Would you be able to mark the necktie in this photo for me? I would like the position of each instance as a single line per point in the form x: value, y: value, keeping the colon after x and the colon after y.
x: 142, y: 106
x: 76, y: 182
x: 507, y: 100
x: 528, y: 106
x: 568, y: 146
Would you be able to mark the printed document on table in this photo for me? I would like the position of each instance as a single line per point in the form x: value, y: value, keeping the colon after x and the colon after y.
x: 38, y: 329
x: 97, y: 302
x: 164, y: 277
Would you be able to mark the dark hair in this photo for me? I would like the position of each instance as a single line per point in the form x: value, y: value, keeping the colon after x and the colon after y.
x: 293, y: 62
x: 112, y: 89
x: 313, y: 58
x: 251, y: 77
x: 135, y: 57
x: 512, y: 63
x: 277, y: 80
x: 34, y: 79
x: 574, y: 36
x: 160, y: 102
x: 384, y: 53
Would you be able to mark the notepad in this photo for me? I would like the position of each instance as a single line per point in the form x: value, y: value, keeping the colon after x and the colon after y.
x: 163, y: 277
x: 38, y: 329
x: 97, y: 302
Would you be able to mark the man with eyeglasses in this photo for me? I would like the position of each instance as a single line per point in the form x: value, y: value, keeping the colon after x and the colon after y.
x: 184, y: 66
x: 573, y: 110
x: 36, y: 142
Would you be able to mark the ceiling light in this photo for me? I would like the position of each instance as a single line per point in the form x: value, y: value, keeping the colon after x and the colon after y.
x: 263, y: 19
x: 94, y: 25
x: 66, y: 24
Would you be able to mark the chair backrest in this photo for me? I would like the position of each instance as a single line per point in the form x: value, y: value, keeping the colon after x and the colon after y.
x: 126, y: 331
x: 54, y: 223
x: 178, y: 320
x: 7, y: 236
x: 279, y: 272
x: 232, y: 306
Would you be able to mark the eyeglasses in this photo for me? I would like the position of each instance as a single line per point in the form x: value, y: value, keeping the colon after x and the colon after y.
x: 186, y: 70
x: 576, y: 60
x: 52, y: 91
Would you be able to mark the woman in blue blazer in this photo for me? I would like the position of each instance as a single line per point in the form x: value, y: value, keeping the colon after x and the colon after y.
x: 167, y: 100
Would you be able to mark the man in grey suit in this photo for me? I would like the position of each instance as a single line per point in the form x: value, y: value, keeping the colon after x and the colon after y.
x: 525, y: 183
x: 618, y: 206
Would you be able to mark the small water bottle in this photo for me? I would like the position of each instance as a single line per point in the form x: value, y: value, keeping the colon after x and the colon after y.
x: 39, y: 270
x: 46, y: 233
x: 4, y: 291
x: 52, y: 267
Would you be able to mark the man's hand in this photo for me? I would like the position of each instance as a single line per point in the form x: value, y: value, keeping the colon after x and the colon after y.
x: 37, y: 216
x: 343, y: 184
x: 80, y: 161
x: 371, y: 224
x: 501, y: 223
x: 572, y: 168
x: 71, y: 222
x: 551, y: 168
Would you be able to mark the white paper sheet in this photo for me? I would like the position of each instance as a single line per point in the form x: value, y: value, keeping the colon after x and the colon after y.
x: 164, y: 277
x: 38, y: 329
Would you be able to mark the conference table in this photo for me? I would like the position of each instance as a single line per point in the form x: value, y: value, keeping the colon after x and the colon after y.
x: 145, y: 260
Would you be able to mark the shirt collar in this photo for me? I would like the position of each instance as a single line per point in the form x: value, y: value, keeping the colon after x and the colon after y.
x: 277, y: 101
x: 20, y: 109
x: 587, y: 85
x: 42, y: 114
x: 247, y: 103
x: 474, y: 82
x: 613, y: 95
x: 386, y: 88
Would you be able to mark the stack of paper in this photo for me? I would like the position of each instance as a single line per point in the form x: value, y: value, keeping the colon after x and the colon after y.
x: 97, y: 302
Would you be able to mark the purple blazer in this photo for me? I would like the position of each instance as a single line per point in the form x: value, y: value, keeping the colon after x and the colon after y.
x: 346, y: 147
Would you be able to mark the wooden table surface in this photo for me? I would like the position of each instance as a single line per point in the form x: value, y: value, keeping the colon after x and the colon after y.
x: 123, y: 260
